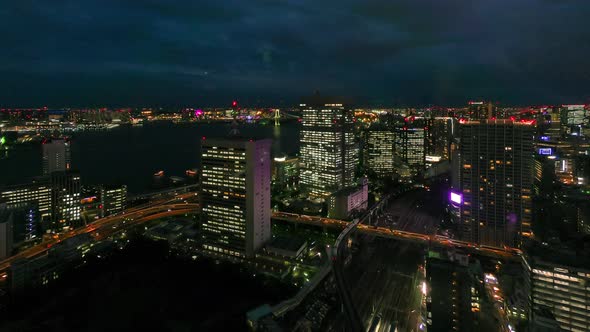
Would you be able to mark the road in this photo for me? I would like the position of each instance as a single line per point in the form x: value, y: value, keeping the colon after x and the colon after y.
x: 101, y: 228
x: 393, y: 233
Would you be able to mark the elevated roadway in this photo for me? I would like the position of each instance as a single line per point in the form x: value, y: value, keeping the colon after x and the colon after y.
x: 392, y: 233
x: 104, y: 227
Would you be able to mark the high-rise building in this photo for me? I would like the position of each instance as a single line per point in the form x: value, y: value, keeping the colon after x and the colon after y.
x: 410, y: 145
x: 6, y: 231
x: 65, y: 199
x: 235, y: 195
x: 56, y: 155
x: 113, y: 199
x: 378, y: 150
x: 495, y: 182
x: 440, y: 133
x: 558, y: 281
x: 573, y: 117
x: 329, y: 153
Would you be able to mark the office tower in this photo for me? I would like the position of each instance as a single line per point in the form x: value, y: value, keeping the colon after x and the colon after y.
x: 329, y: 153
x: 34, y: 197
x: 558, y: 281
x: 65, y: 199
x: 6, y: 231
x: 496, y: 182
x: 56, y: 155
x: 440, y: 133
x: 409, y: 147
x: 573, y: 117
x: 113, y: 199
x: 235, y: 195
x: 285, y: 172
x: 378, y: 150
x: 544, y: 175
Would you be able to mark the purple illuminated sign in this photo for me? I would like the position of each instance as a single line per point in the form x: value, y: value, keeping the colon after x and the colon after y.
x: 456, y: 198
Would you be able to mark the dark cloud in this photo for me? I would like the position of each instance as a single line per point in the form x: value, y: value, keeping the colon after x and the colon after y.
x: 182, y: 52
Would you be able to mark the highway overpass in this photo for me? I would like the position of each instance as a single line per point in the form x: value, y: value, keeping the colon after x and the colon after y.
x: 104, y: 227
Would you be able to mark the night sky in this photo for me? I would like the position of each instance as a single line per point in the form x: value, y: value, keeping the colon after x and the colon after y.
x: 208, y: 52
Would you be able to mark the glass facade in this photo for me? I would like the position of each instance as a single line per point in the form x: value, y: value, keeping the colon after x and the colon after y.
x: 235, y: 195
x: 379, y: 151
x: 410, y: 147
x: 329, y: 153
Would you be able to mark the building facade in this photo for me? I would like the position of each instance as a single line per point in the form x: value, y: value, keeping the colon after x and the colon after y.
x: 410, y: 146
x: 440, y: 135
x: 65, y: 199
x: 56, y: 155
x: 113, y: 199
x: 329, y: 153
x: 6, y: 232
x: 33, y: 200
x: 496, y: 182
x: 235, y: 195
x: 348, y: 200
x: 559, y: 282
x: 285, y: 172
x: 573, y: 118
x: 378, y: 151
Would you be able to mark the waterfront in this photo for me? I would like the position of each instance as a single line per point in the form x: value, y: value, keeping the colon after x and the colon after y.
x: 130, y: 154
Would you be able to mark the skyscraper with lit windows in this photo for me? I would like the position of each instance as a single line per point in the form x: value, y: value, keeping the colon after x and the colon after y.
x: 410, y: 144
x: 329, y: 153
x: 235, y: 195
x: 65, y: 199
x: 496, y: 182
x: 56, y: 155
x: 378, y: 150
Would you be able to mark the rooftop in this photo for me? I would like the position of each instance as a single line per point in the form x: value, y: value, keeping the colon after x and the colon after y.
x: 573, y: 255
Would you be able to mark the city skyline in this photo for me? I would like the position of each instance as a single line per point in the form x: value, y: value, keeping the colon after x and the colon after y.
x: 291, y: 165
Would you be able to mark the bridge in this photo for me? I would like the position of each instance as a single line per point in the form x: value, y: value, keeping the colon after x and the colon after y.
x: 176, y: 190
x: 107, y: 226
x: 391, y: 233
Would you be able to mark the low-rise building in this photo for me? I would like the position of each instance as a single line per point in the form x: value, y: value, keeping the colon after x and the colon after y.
x: 348, y: 200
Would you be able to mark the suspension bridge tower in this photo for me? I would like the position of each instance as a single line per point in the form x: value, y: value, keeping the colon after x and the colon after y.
x: 277, y: 117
